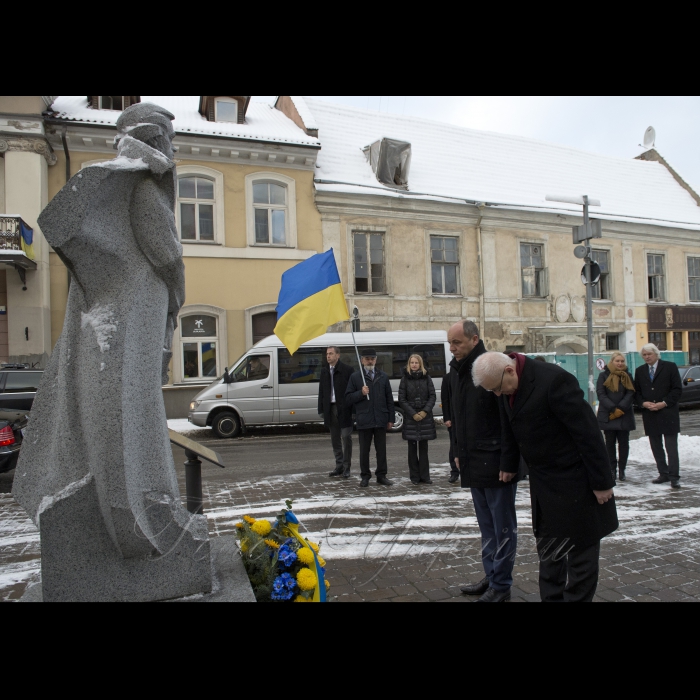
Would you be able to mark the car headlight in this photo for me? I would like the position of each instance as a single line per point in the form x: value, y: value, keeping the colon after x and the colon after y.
x: 194, y: 405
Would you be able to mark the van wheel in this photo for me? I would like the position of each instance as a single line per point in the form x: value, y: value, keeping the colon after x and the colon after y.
x: 398, y: 426
x: 226, y: 425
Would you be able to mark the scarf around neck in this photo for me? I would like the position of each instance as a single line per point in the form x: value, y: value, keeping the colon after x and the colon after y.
x: 617, y: 376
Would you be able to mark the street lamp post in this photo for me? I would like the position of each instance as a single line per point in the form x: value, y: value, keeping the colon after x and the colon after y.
x: 591, y: 228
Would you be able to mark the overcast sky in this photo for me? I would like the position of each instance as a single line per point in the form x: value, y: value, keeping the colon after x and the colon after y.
x: 607, y: 125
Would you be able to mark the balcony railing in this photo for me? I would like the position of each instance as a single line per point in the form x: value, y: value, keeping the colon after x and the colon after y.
x: 11, y: 228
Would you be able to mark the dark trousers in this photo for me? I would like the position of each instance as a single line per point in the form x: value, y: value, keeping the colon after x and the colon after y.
x: 621, y: 437
x: 495, y: 513
x: 341, y: 439
x: 671, y: 469
x: 379, y: 437
x: 418, y: 464
x: 568, y: 574
x: 454, y: 471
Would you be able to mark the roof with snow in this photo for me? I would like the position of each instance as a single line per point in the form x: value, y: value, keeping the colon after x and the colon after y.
x: 263, y: 122
x: 452, y: 162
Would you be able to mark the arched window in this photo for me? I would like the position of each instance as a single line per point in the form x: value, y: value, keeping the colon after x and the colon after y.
x: 112, y: 102
x: 200, y: 346
x: 196, y: 208
x: 271, y: 210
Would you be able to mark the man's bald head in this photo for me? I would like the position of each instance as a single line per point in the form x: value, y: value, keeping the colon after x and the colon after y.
x: 463, y: 338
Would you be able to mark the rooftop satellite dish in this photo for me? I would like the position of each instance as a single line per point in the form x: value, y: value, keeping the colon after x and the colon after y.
x: 649, y: 137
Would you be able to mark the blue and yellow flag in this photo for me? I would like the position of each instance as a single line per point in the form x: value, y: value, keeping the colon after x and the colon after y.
x: 27, y: 235
x: 311, y: 299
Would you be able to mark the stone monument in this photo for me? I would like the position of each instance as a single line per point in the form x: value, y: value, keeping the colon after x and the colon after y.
x: 96, y: 472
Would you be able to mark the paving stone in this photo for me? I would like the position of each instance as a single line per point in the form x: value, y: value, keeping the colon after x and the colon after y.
x: 379, y: 594
x: 430, y: 585
x: 410, y: 599
x: 437, y: 594
x: 405, y: 590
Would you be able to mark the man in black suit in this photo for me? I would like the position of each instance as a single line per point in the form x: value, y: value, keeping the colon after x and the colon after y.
x: 446, y: 400
x: 659, y: 388
x: 545, y: 419
x: 336, y: 415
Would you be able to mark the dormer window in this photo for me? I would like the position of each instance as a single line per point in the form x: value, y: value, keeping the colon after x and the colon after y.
x: 224, y: 108
x: 391, y: 161
x: 113, y: 102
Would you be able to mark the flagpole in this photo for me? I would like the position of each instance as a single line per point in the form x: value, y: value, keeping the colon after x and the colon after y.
x: 364, y: 381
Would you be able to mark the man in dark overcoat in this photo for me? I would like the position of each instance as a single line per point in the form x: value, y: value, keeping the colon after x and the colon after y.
x: 374, y: 415
x: 659, y: 388
x: 336, y: 415
x: 476, y: 433
x: 446, y: 399
x: 546, y: 419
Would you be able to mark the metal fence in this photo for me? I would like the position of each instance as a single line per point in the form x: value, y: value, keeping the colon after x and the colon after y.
x: 10, y: 234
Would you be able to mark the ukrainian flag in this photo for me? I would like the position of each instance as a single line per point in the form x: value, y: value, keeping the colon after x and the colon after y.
x: 27, y: 236
x: 311, y: 299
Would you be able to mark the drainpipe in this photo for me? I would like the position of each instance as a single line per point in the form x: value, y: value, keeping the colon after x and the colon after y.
x: 65, y: 150
x: 480, y: 260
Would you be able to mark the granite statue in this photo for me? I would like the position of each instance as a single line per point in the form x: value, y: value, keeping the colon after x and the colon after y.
x: 96, y: 473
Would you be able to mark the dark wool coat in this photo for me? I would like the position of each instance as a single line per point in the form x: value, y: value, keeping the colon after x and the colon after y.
x: 341, y: 377
x: 445, y: 398
x: 609, y: 401
x: 476, y: 427
x: 557, y: 433
x: 667, y: 386
x: 417, y: 393
x: 379, y: 410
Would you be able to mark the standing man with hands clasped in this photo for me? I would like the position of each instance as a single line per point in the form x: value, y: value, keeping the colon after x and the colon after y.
x: 546, y: 419
x: 336, y: 415
x: 373, y: 401
x: 659, y: 389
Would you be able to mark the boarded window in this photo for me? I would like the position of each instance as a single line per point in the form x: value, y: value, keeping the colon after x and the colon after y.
x: 264, y: 326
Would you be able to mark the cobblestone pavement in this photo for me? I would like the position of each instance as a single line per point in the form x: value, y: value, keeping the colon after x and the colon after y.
x: 410, y: 544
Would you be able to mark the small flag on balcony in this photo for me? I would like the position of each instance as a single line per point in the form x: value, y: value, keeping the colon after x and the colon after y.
x: 27, y: 240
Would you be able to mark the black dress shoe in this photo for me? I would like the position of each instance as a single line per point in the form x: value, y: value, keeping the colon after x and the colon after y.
x: 661, y: 480
x: 364, y: 483
x: 622, y: 475
x: 384, y: 481
x: 476, y: 588
x: 675, y: 484
x: 415, y: 482
x: 346, y: 474
x: 337, y: 472
x: 428, y: 482
x: 454, y: 479
x: 494, y: 596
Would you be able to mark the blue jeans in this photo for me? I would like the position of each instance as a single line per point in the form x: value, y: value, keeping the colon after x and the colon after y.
x: 495, y: 513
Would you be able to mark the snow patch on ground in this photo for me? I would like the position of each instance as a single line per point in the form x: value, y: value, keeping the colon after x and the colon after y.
x: 184, y: 427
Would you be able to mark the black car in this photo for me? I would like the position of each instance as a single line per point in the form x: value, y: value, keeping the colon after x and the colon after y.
x: 12, y: 423
x: 18, y: 386
x: 690, y: 376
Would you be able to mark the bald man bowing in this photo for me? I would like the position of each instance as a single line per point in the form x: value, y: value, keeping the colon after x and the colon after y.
x: 546, y: 419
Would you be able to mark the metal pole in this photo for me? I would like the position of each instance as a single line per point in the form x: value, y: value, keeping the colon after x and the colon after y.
x: 362, y: 373
x: 193, y: 483
x: 589, y: 306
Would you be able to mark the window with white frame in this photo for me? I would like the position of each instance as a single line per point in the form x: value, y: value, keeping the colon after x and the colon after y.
x: 226, y: 110
x: 112, y: 102
x: 270, y: 211
x: 196, y: 203
x: 200, y: 341
x: 444, y: 258
x: 694, y: 279
x: 533, y: 270
x: 656, y: 277
x: 602, y: 289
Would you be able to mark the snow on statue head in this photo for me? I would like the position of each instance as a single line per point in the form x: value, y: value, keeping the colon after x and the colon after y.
x: 148, y: 123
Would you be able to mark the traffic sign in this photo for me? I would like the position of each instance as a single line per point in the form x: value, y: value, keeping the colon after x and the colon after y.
x: 595, y: 274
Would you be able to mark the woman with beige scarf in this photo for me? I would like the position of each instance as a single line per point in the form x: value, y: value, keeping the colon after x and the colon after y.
x: 616, y: 410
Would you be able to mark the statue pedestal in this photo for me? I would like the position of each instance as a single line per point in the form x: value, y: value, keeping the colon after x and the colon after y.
x: 230, y: 581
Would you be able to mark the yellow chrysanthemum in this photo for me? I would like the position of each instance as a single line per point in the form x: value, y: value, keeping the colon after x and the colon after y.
x: 322, y: 562
x: 314, y: 546
x: 239, y: 526
x: 306, y: 579
x: 244, y: 546
x: 272, y: 544
x: 328, y: 586
x: 248, y: 519
x: 305, y: 556
x: 301, y: 599
x: 261, y: 527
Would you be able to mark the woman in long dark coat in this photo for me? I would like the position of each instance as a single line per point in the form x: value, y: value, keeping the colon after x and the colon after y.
x: 616, y: 411
x: 417, y: 400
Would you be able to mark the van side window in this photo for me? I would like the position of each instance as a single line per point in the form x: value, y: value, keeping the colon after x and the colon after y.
x: 304, y: 367
x: 393, y: 359
x: 256, y: 367
x: 22, y: 382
